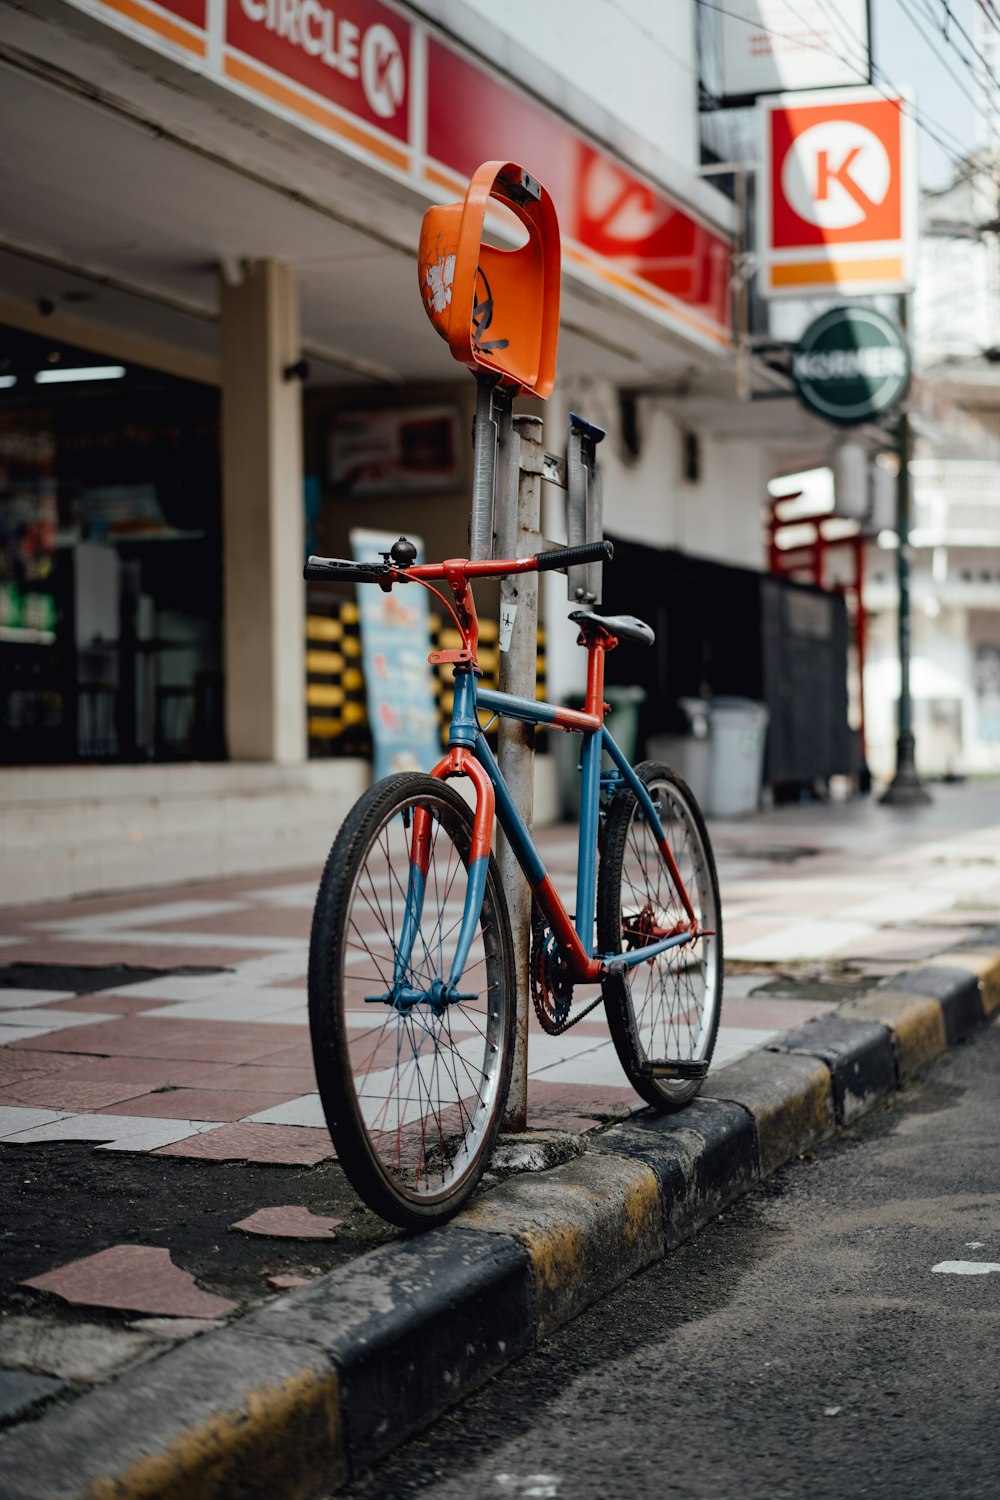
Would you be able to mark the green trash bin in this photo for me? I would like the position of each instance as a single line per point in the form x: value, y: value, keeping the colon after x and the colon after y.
x: 623, y: 722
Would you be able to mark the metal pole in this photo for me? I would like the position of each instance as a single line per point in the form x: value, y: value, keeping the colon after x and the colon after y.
x: 906, y: 788
x: 741, y: 297
x: 518, y: 510
x: 860, y: 644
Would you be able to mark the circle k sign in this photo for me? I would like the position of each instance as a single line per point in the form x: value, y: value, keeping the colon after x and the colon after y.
x: 353, y: 54
x: 383, y: 71
x: 836, y: 207
x: 836, y: 174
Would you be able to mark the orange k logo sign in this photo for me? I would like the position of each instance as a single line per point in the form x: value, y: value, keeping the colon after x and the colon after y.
x: 835, y: 174
x: 842, y: 175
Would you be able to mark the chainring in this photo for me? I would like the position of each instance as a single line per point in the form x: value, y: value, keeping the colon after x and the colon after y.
x: 551, y: 986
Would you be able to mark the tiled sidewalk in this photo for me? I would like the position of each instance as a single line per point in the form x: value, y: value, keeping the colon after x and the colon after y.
x: 217, y: 1065
x: 166, y: 1159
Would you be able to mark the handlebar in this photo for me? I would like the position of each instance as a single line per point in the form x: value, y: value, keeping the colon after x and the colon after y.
x: 318, y: 569
x: 564, y: 557
x: 340, y: 569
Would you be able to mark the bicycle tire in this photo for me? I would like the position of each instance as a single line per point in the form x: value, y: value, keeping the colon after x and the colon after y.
x: 413, y: 1101
x: 669, y: 1006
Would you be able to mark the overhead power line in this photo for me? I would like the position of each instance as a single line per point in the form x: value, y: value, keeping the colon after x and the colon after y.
x: 944, y: 24
x: 954, y: 149
x: 932, y: 127
x: 918, y: 26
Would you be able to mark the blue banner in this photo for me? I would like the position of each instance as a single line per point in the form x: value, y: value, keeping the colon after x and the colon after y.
x: 395, y: 643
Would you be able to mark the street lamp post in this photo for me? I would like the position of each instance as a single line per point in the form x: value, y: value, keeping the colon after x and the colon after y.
x: 906, y: 789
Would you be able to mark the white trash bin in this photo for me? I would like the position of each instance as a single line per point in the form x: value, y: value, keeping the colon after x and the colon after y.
x: 736, y: 768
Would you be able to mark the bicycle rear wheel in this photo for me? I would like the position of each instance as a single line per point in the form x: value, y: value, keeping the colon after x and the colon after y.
x: 412, y: 1088
x: 668, y: 1007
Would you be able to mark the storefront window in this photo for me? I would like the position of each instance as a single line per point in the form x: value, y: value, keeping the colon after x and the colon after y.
x: 110, y: 560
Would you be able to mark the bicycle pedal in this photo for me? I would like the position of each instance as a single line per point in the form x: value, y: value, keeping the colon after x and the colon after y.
x: 669, y: 1067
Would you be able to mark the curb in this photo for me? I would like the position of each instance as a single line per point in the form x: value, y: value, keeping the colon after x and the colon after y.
x: 309, y: 1391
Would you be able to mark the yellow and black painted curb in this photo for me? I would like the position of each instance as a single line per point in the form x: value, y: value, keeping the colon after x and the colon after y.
x: 309, y: 1391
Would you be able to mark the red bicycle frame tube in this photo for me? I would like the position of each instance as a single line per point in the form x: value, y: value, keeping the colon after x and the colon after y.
x: 460, y: 761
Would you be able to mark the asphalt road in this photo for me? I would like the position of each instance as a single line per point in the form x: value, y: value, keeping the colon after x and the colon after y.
x: 802, y: 1346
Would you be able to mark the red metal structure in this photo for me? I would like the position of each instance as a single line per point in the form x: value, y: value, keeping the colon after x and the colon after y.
x: 807, y: 561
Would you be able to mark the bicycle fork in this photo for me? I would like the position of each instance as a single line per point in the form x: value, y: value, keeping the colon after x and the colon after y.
x: 439, y: 992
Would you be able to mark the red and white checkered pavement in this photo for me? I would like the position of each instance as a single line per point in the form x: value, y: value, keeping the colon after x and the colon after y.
x: 218, y: 1065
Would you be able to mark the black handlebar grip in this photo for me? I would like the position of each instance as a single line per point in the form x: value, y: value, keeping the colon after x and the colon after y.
x: 319, y: 569
x: 563, y: 557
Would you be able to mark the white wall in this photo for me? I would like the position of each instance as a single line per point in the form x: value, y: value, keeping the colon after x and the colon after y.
x: 638, y: 61
x: 724, y: 515
x: 634, y: 62
x: 946, y: 706
x: 646, y: 499
x: 955, y: 611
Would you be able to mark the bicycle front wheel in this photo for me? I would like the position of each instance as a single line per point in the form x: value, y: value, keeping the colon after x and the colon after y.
x: 667, y: 1008
x: 412, y: 1079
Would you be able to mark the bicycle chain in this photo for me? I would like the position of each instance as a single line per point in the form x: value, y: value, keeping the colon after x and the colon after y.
x: 558, y: 1028
x: 551, y: 988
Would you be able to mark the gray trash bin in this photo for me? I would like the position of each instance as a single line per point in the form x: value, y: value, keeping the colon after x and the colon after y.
x: 736, y: 769
x: 688, y: 754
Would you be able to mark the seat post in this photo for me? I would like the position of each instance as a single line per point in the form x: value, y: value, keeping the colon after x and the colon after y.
x: 597, y: 644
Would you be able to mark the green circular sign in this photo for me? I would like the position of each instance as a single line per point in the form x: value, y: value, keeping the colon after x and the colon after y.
x: 850, y: 365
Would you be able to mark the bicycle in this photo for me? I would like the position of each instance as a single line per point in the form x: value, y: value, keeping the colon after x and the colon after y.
x: 411, y: 962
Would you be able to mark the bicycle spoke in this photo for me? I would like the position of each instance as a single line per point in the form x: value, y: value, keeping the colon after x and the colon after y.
x: 416, y: 1087
x: 668, y: 1006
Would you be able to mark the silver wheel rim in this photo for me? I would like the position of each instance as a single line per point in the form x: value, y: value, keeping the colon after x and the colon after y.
x: 426, y: 1085
x: 673, y: 996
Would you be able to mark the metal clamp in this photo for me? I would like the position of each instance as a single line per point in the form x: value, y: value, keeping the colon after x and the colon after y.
x: 584, y: 507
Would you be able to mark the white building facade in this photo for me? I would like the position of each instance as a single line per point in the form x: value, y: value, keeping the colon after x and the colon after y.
x: 222, y: 199
x: 955, y: 488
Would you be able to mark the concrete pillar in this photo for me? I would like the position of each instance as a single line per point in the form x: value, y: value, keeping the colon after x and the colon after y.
x: 262, y: 516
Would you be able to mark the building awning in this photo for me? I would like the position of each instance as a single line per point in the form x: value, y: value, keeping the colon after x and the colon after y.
x: 151, y: 146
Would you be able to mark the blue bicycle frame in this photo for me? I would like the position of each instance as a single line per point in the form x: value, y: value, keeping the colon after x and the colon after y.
x: 469, y: 754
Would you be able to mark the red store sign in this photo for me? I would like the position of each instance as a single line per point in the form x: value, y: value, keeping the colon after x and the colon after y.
x: 192, y: 11
x: 356, y: 55
x: 345, y: 67
x: 473, y: 117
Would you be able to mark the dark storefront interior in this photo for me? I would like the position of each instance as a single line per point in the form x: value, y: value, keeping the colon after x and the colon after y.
x: 110, y: 560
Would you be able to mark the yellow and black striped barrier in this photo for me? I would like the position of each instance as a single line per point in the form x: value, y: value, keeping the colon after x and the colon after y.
x: 335, y: 684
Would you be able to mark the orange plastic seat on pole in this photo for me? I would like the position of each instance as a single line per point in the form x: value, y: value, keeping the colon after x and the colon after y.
x: 498, y: 309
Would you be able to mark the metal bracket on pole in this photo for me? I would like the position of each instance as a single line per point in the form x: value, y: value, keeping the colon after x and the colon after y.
x: 483, y: 472
x: 584, y: 508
